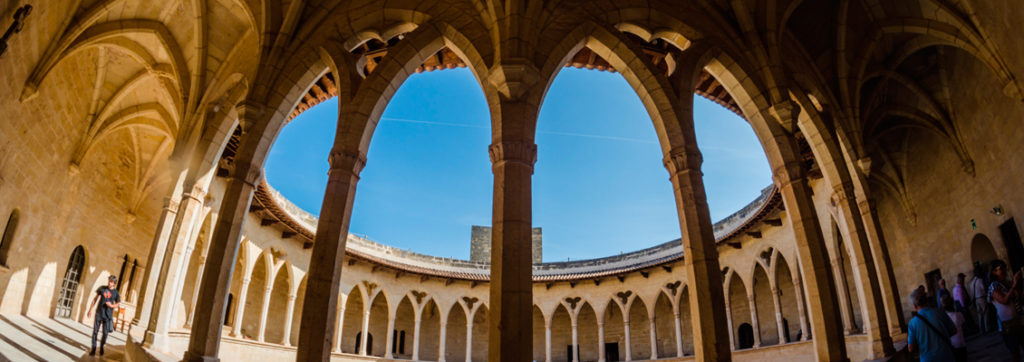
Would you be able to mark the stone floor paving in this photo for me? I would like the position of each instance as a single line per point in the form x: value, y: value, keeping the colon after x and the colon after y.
x: 44, y: 339
x: 987, y: 348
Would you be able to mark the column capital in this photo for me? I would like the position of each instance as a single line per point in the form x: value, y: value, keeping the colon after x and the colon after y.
x: 171, y: 204
x: 346, y: 161
x: 788, y: 173
x: 522, y: 152
x: 683, y: 159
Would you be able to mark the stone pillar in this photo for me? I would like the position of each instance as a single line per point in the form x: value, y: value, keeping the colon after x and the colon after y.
x: 683, y: 161
x: 469, y: 338
x: 754, y: 320
x: 156, y: 251
x: 845, y: 304
x: 600, y: 342
x: 204, y: 342
x: 324, y: 276
x: 728, y: 324
x: 190, y: 244
x: 883, y: 265
x: 511, y: 285
x: 341, y: 322
x: 264, y: 310
x: 236, y: 323
x: 805, y: 330
x: 366, y: 329
x: 628, y: 342
x: 654, y: 338
x: 679, y: 335
x: 389, y: 343
x: 575, y: 342
x: 547, y: 340
x: 164, y: 292
x: 288, y: 319
x: 441, y: 337
x: 195, y: 291
x: 777, y: 303
x: 791, y: 179
x: 416, y: 336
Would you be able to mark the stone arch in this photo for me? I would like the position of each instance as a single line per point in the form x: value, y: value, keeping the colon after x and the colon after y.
x: 430, y: 330
x: 455, y: 343
x: 481, y: 320
x: 686, y: 320
x: 296, y: 322
x: 664, y: 321
x: 586, y: 325
x: 982, y: 251
x: 765, y: 304
x: 405, y: 317
x: 739, y: 306
x: 352, y: 323
x: 561, y: 333
x: 614, y: 327
x: 275, y: 318
x: 378, y: 316
x: 640, y: 329
x: 261, y: 279
x: 538, y: 333
x: 786, y: 289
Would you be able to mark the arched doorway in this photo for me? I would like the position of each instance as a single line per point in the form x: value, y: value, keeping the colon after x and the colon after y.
x: 746, y: 336
x: 982, y: 251
x: 69, y: 287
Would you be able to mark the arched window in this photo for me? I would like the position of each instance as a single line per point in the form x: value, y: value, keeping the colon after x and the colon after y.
x: 8, y: 238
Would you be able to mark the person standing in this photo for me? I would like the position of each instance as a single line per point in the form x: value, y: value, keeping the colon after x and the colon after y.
x: 1005, y: 292
x: 929, y: 330
x: 960, y: 293
x: 941, y: 292
x: 109, y: 299
x: 957, y: 340
x: 980, y: 292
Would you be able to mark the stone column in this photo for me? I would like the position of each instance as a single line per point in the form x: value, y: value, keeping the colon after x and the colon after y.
x: 469, y: 338
x: 575, y: 342
x: 845, y: 304
x: 164, y: 292
x: 366, y: 329
x: 182, y: 270
x: 777, y: 303
x: 156, y: 251
x: 547, y: 340
x: 416, y: 336
x: 754, y: 320
x: 264, y: 310
x: 600, y: 342
x: 389, y: 343
x: 236, y: 323
x: 683, y: 161
x: 800, y: 308
x: 883, y: 265
x: 791, y: 179
x: 441, y: 337
x: 204, y: 342
x: 511, y: 285
x: 728, y: 324
x: 195, y: 291
x: 341, y: 322
x: 324, y: 276
x: 654, y: 338
x: 679, y: 335
x: 288, y: 319
x: 629, y: 350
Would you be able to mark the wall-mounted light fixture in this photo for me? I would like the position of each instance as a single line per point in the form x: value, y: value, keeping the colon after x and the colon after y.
x: 997, y: 211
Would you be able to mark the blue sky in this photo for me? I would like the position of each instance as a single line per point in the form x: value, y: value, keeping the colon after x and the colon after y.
x: 599, y: 186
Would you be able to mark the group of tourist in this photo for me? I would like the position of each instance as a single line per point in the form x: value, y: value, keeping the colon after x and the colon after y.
x: 936, y: 330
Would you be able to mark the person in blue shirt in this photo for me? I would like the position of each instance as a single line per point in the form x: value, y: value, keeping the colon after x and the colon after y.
x: 929, y: 331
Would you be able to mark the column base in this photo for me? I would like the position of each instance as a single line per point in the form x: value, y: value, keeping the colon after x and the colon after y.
x: 155, y: 341
x: 189, y: 357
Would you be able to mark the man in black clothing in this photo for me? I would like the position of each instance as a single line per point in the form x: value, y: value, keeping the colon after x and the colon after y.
x: 109, y: 299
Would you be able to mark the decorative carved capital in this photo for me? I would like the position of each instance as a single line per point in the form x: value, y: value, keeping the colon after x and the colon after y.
x: 347, y: 161
x: 787, y: 112
x: 514, y: 77
x: 523, y: 152
x: 789, y: 172
x: 678, y: 160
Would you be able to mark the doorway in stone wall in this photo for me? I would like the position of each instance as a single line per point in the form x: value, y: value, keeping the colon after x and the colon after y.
x: 1014, y: 248
x: 69, y: 287
x: 746, y: 336
x: 982, y: 251
x: 611, y: 351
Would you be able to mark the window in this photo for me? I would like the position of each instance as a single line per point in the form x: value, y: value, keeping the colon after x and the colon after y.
x: 8, y: 238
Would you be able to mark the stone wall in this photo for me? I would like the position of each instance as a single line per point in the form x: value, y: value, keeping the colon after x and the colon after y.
x: 480, y: 245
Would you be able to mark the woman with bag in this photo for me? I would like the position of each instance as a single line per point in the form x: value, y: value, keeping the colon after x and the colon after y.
x: 1005, y: 295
